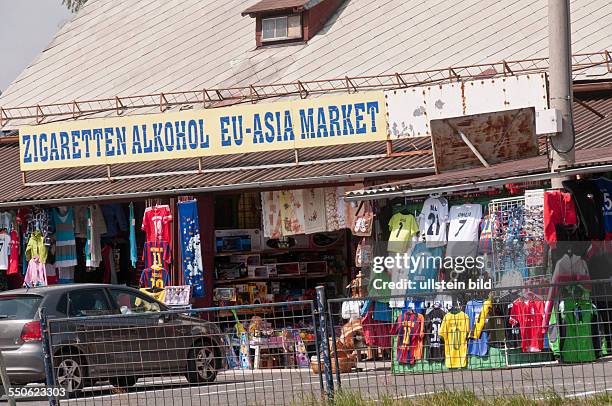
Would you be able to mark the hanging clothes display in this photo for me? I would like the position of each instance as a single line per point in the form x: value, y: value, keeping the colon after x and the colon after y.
x: 576, y: 340
x: 478, y: 343
x: 464, y: 225
x: 157, y: 223
x: 80, y: 221
x: 292, y: 212
x: 6, y: 220
x: 409, y: 330
x: 589, y: 205
x: 605, y: 187
x: 36, y: 274
x: 65, y: 244
x: 335, y: 208
x: 5, y: 243
x: 191, y: 254
x: 404, y: 231
x: 558, y: 209
x: 433, y: 220
x: 14, y: 250
x: 155, y: 277
x: 114, y: 217
x: 156, y: 253
x: 110, y: 268
x: 314, y: 211
x: 36, y: 247
x: 433, y: 339
x: 133, y: 254
x: 454, y: 330
x: 528, y: 315
x: 271, y: 214
x: 96, y: 226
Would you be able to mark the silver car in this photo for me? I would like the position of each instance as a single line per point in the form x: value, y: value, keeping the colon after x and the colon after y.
x: 190, y: 346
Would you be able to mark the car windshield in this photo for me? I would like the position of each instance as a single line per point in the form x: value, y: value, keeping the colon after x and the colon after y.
x: 19, y: 307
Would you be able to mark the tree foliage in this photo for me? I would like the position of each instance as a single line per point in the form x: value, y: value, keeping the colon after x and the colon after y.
x: 74, y: 5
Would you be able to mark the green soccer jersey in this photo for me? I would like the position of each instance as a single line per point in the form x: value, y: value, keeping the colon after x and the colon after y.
x: 577, y: 344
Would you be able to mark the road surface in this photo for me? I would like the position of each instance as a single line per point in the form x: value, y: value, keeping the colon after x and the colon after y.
x: 281, y: 387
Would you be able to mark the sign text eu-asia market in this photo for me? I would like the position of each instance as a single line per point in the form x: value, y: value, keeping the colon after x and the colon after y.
x: 231, y: 130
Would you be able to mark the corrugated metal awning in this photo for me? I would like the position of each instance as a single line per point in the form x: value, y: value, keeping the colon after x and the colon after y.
x: 524, y: 170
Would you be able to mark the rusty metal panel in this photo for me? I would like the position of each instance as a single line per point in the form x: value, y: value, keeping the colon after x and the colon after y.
x: 411, y: 110
x: 498, y: 137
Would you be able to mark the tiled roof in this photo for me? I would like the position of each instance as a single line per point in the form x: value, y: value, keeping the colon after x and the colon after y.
x: 114, y: 47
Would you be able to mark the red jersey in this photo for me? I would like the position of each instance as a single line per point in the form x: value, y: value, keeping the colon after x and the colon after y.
x: 529, y: 317
x: 13, y: 253
x: 156, y: 252
x: 157, y: 223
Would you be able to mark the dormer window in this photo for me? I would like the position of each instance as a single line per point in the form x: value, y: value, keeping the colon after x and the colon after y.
x: 281, y: 28
x: 281, y: 21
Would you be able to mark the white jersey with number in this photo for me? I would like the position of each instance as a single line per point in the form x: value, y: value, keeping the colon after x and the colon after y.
x: 464, y: 222
x: 433, y: 220
x: 5, y: 241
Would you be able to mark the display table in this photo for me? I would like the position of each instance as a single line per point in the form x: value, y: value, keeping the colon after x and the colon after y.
x: 265, y: 346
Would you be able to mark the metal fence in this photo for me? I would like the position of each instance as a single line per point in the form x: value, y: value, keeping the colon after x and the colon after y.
x: 491, y: 342
x: 223, y: 356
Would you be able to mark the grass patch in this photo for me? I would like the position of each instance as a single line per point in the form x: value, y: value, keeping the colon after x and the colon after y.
x: 460, y: 399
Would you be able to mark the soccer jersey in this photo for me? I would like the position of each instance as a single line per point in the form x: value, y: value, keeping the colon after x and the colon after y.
x: 577, y: 341
x: 433, y: 220
x: 408, y: 328
x: 589, y: 202
x: 478, y: 343
x: 13, y: 267
x: 454, y: 330
x: 403, y: 228
x: 463, y: 229
x: 154, y: 278
x: 157, y: 223
x: 424, y: 268
x: 529, y: 315
x: 605, y: 186
x: 5, y: 241
x: 433, y: 340
x: 156, y: 252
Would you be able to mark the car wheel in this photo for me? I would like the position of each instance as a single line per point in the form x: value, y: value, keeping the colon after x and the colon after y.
x: 123, y: 381
x: 70, y: 374
x: 201, y: 364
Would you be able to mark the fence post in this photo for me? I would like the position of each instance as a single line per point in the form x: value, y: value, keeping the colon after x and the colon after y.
x: 6, y: 383
x: 324, y: 332
x: 46, y: 347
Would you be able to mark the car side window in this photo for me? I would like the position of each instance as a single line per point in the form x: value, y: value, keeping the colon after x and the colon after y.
x: 62, y: 305
x: 90, y: 302
x: 130, y: 302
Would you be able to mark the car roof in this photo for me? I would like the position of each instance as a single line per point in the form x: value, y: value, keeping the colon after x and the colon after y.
x: 46, y: 290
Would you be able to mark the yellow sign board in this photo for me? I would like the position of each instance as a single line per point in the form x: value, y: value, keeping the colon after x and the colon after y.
x: 324, y: 121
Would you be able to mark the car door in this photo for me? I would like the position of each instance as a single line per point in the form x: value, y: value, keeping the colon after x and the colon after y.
x: 96, y: 335
x: 155, y: 333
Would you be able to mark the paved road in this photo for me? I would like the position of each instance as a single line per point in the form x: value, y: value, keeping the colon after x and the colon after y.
x: 281, y: 387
